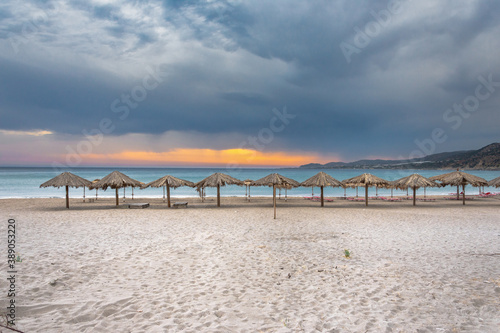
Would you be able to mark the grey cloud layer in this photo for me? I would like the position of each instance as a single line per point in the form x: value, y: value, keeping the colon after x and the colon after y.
x: 227, y: 64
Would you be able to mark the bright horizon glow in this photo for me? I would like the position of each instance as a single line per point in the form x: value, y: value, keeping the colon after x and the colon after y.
x: 232, y: 158
x: 30, y: 133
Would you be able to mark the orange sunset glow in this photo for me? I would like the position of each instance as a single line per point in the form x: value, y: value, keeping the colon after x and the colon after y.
x: 205, y: 157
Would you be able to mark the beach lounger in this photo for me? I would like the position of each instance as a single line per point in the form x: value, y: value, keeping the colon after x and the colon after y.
x: 391, y: 199
x: 180, y: 204
x: 455, y: 198
x: 138, y: 205
x: 324, y: 199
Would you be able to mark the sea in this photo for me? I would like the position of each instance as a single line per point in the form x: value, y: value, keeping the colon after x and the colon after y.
x: 24, y: 182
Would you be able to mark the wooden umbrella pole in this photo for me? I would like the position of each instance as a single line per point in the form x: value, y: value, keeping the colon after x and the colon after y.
x: 463, y: 193
x: 84, y: 194
x: 414, y: 193
x: 458, y: 192
x: 218, y: 195
x: 117, y: 196
x: 249, y: 193
x: 274, y: 200
x: 67, y: 196
x: 164, y: 193
x: 322, y: 200
x: 366, y: 195
x: 168, y: 195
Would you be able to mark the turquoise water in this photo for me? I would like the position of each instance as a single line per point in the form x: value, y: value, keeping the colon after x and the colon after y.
x: 19, y: 182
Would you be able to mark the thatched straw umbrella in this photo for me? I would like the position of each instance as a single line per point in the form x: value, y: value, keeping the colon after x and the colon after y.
x: 457, y: 178
x: 217, y: 180
x: 365, y: 180
x: 168, y: 182
x: 440, y: 177
x: 414, y: 181
x: 494, y: 182
x: 275, y: 180
x: 116, y: 180
x: 321, y: 180
x: 67, y: 179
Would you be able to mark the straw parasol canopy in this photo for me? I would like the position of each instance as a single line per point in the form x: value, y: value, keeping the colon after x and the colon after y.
x: 276, y: 180
x: 365, y: 180
x: 494, y: 182
x: 414, y: 182
x: 217, y: 180
x: 169, y: 182
x: 115, y: 180
x: 457, y: 178
x: 321, y: 179
x: 67, y: 179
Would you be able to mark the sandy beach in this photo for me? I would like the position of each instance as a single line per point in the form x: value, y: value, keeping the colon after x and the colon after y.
x: 97, y: 268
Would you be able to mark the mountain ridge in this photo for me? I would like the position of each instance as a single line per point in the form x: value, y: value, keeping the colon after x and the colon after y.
x: 485, y: 158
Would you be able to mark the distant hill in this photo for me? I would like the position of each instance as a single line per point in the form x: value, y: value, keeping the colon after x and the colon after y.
x: 486, y: 158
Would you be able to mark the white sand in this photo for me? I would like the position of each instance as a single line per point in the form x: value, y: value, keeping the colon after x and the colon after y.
x: 96, y: 268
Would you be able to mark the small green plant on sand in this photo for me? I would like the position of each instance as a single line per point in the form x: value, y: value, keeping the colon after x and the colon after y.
x: 347, y: 253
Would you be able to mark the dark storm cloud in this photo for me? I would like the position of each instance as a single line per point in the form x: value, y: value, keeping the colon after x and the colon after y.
x: 228, y: 64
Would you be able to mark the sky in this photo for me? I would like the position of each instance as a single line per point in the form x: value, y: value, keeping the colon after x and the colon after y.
x: 245, y: 83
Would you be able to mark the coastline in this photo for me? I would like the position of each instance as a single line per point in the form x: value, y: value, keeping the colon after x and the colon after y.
x: 23, y: 183
x: 260, y: 201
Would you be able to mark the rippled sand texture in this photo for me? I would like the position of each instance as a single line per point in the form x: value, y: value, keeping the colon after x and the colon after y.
x: 95, y: 268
